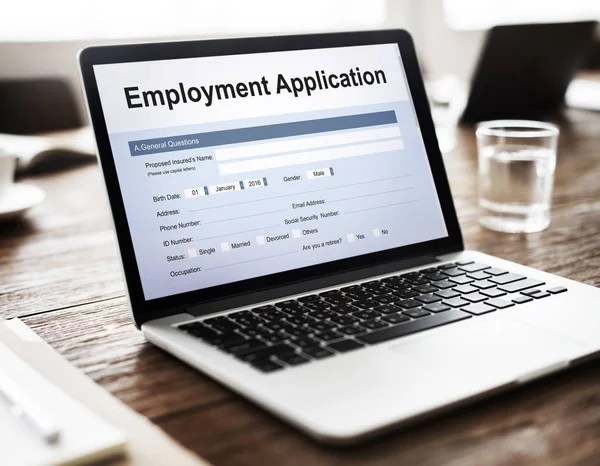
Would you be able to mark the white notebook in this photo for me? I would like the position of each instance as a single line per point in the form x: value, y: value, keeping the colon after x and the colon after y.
x: 31, y: 150
x: 84, y: 437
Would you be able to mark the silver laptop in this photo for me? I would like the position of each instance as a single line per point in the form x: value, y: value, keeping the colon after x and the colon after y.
x: 286, y: 227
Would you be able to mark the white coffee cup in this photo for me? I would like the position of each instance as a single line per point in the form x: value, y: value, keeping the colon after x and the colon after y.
x: 7, y: 173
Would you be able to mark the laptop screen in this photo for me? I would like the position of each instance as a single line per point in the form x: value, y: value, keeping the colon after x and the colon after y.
x: 241, y: 166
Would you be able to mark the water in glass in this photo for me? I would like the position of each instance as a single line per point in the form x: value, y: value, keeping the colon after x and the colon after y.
x: 516, y: 187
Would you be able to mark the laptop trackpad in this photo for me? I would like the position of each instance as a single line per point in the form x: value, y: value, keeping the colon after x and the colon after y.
x: 490, y: 349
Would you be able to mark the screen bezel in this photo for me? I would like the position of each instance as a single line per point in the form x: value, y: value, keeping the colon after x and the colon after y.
x: 144, y: 310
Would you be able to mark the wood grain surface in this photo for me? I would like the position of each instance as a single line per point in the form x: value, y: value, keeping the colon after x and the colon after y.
x: 59, y: 271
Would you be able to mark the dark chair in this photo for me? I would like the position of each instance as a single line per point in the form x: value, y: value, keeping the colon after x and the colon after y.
x: 37, y: 105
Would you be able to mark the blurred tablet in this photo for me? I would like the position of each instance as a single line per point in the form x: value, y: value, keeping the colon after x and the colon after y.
x: 524, y: 70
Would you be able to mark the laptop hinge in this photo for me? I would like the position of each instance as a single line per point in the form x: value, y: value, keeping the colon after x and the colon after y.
x: 308, y: 285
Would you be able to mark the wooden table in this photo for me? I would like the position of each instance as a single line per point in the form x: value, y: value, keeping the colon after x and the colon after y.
x: 59, y: 271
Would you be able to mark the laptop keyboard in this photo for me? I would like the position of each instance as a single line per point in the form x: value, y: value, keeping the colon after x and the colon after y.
x: 317, y: 326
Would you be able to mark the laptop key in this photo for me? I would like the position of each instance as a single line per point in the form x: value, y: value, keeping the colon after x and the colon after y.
x: 450, y: 265
x: 345, y: 309
x: 408, y: 328
x: 300, y: 320
x: 353, y: 330
x: 425, y: 289
x: 484, y: 284
x: 317, y: 352
x: 337, y: 301
x: 408, y: 303
x: 266, y: 365
x: 454, y: 272
x: 522, y: 299
x: 345, y: 345
x: 386, y: 299
x: 428, y: 298
x: 202, y: 332
x: 296, y: 311
x: 456, y: 302
x: 506, y: 278
x: 461, y: 280
x: 388, y: 309
x: 520, y: 285
x: 249, y: 331
x: 225, y: 339
x: 318, y: 305
x: 543, y: 294
x: 557, y: 289
x: 416, y: 313
x: 329, y: 335
x: 436, y: 307
x: 292, y: 359
x: 495, y: 271
x: 478, y: 308
x: 475, y: 297
x: 225, y: 327
x: 443, y: 284
x: 531, y: 292
x: 351, y: 288
x: 379, y: 290
x: 374, y: 324
x: 274, y: 337
x: 493, y: 292
x: 275, y: 326
x: 500, y: 303
x: 406, y: 294
x: 265, y: 353
x: 464, y: 289
x: 299, y: 332
x: 249, y: 322
x: 481, y: 275
x: 393, y: 279
x: 396, y: 318
x: 366, y: 315
x: 273, y: 315
x: 288, y: 304
x: 418, y: 280
x: 474, y: 267
x: 447, y: 294
x: 304, y: 342
x: 322, y: 315
x: 344, y: 320
x: 241, y: 315
x: 322, y: 326
x: 436, y: 276
x: 397, y: 286
x: 245, y: 346
x: 365, y: 304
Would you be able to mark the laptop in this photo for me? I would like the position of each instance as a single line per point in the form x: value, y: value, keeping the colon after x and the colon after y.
x: 286, y: 227
x: 524, y: 70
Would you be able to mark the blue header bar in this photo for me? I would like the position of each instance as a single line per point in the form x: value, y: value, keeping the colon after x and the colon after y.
x: 259, y: 133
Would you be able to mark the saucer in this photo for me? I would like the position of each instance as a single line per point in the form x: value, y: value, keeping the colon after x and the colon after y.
x: 18, y: 199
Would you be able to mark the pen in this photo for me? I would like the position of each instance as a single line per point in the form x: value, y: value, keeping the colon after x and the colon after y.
x: 20, y: 406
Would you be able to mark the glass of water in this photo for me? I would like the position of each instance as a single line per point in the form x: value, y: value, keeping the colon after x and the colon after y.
x: 517, y: 159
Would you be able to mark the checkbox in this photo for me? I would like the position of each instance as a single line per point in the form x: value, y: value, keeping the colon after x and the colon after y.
x: 225, y: 247
x: 192, y: 253
x: 376, y: 232
x: 351, y: 237
x: 260, y: 240
x: 296, y: 233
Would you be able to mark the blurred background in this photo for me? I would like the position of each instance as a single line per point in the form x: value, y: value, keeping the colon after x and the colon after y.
x: 41, y: 38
